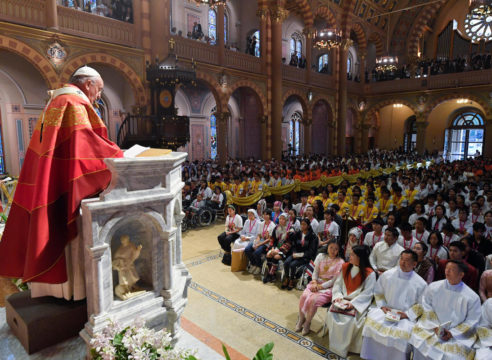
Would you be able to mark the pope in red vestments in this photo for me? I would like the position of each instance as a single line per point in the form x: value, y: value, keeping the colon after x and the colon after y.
x: 63, y: 165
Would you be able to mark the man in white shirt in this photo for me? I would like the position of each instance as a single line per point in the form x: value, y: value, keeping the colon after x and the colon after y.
x: 385, y: 254
x: 388, y: 326
x: 450, y: 315
x: 419, y: 232
x: 375, y: 236
x: 406, y: 239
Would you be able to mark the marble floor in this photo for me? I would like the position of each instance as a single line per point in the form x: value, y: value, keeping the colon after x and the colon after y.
x: 235, y: 309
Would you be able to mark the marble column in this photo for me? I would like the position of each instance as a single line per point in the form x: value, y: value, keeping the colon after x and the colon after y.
x: 307, y: 135
x: 421, y: 126
x: 222, y: 120
x: 220, y: 41
x: 51, y: 15
x: 278, y: 15
x: 342, y: 96
x: 159, y: 29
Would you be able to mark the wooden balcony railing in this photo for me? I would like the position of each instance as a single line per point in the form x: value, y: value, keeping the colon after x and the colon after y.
x: 240, y: 61
x: 26, y: 12
x: 293, y: 73
x: 322, y: 80
x: 80, y: 23
x: 196, y: 50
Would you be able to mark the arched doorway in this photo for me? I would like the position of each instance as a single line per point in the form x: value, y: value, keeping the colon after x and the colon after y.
x: 349, y: 131
x: 464, y: 138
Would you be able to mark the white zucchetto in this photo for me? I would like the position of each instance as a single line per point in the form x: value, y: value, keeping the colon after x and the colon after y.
x: 86, y: 71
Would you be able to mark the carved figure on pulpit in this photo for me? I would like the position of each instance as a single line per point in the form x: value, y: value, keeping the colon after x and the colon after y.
x: 123, y: 261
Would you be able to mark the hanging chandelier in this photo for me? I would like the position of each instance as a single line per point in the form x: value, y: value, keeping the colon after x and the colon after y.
x: 386, y: 63
x: 327, y: 39
x: 478, y: 23
x: 211, y: 3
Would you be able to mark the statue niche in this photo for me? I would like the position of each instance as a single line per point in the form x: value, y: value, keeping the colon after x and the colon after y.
x: 123, y: 262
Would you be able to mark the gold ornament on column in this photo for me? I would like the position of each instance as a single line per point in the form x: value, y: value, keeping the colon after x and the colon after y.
x: 347, y: 43
x: 279, y: 14
x: 262, y: 13
x: 212, y: 3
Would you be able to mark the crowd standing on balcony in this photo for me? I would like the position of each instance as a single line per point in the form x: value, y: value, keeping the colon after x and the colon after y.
x: 424, y: 232
x: 441, y: 65
x: 116, y: 9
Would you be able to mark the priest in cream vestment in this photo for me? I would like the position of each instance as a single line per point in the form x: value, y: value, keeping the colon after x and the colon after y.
x: 484, y: 331
x: 397, y: 292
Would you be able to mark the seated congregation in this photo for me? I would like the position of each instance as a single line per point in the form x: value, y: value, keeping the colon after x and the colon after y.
x: 401, y: 268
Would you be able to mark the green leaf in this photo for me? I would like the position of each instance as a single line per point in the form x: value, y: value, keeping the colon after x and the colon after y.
x: 191, y: 357
x: 225, y: 352
x: 264, y: 353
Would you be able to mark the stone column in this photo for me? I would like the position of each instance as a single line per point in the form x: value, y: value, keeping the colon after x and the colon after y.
x: 278, y: 15
x: 487, y: 141
x: 159, y: 29
x: 137, y: 21
x: 222, y: 119
x: 365, y: 138
x: 309, y: 32
x: 307, y: 135
x: 51, y: 15
x: 220, y: 41
x: 263, y: 15
x: 342, y: 95
x: 421, y: 126
x: 362, y: 69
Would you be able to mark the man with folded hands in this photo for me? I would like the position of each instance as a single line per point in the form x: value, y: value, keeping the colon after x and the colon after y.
x: 389, y: 325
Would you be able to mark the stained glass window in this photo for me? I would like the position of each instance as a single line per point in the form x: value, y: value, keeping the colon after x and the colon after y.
x: 213, y: 135
x: 257, y: 46
x: 2, y: 160
x: 465, y: 137
x: 349, y: 64
x: 299, y: 48
x: 295, y: 123
x: 212, y: 25
x: 322, y: 61
x: 225, y: 28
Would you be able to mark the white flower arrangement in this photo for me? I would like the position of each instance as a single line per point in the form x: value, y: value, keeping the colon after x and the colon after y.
x: 135, y: 342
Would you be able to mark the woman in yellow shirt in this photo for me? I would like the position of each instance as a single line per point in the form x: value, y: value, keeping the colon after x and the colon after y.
x: 370, y: 212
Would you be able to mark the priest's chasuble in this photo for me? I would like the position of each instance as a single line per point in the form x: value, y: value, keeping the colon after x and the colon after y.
x: 484, y: 332
x: 400, y: 291
x: 442, y: 303
x: 63, y: 165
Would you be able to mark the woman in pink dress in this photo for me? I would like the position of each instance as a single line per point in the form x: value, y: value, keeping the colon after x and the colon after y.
x: 318, y: 292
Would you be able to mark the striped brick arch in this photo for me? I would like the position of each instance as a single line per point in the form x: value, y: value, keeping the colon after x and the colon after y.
x: 361, y: 38
x: 325, y: 13
x: 373, y: 111
x: 322, y: 98
x: 256, y: 89
x: 221, y: 100
x: 302, y: 99
x: 101, y: 58
x: 306, y: 12
x: 375, y: 38
x: 482, y: 102
x: 39, y: 61
x: 425, y: 17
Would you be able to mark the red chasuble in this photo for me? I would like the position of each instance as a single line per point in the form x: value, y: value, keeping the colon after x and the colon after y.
x: 59, y: 171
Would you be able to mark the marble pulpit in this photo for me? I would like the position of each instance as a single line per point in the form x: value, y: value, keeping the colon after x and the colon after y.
x: 142, y: 202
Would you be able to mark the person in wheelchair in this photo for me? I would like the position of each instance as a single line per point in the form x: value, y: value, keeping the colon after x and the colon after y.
x: 304, y: 248
x: 196, y: 205
x: 278, y: 248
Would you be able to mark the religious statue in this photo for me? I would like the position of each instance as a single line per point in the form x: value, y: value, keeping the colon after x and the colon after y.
x: 123, y: 262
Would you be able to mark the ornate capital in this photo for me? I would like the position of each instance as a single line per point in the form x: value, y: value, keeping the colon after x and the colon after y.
x: 278, y: 14
x: 262, y: 13
x: 309, y: 31
x: 347, y: 43
x: 263, y: 119
x: 222, y: 117
x: 308, y: 122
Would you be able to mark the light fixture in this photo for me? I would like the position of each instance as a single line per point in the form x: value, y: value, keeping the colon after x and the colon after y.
x: 387, y: 62
x: 478, y: 23
x: 212, y: 3
x: 327, y: 39
x: 462, y: 101
x: 397, y: 106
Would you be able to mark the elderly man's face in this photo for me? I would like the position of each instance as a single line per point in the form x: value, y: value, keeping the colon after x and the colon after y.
x: 93, y: 89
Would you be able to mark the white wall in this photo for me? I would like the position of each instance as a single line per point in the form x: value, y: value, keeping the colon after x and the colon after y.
x: 293, y: 24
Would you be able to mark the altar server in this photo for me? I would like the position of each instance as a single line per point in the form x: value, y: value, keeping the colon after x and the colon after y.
x: 484, y: 332
x: 397, y: 293
x: 451, y: 312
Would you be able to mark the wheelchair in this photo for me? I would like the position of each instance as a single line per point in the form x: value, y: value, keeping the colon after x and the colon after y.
x: 193, y: 219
